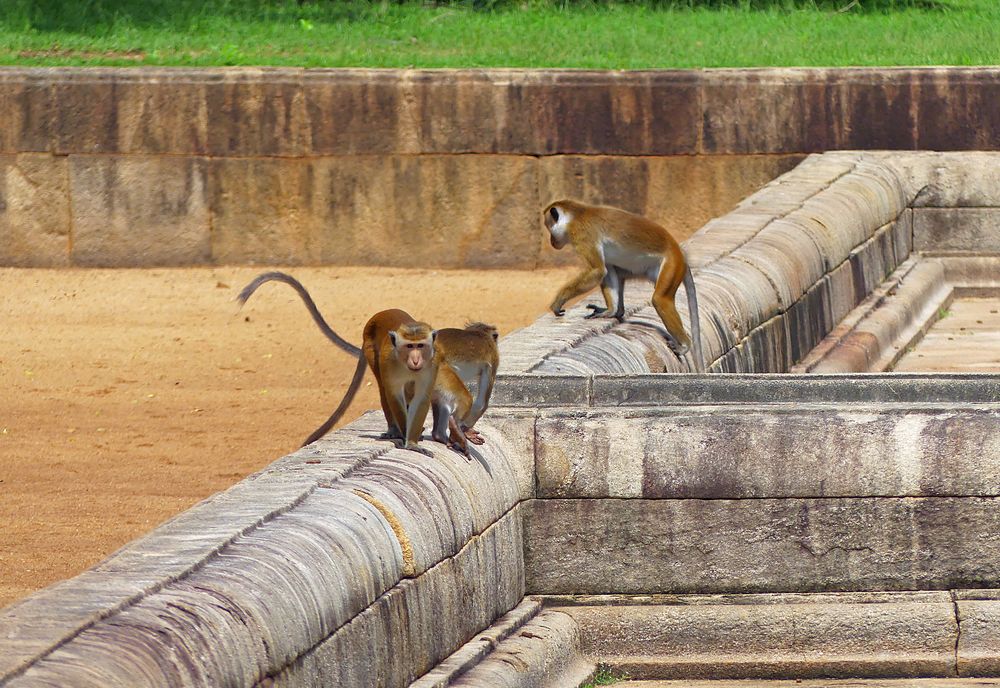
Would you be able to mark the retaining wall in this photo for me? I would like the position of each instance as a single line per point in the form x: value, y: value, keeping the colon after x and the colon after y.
x: 158, y: 166
x: 353, y: 563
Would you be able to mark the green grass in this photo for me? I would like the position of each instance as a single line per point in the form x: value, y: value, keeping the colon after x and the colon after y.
x: 532, y: 33
x: 604, y: 677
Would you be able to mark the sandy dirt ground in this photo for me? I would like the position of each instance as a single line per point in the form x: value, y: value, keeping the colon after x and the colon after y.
x: 128, y: 395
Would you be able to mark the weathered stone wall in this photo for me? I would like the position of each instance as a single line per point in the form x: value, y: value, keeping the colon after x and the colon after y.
x: 157, y: 166
x: 352, y: 563
x: 344, y: 563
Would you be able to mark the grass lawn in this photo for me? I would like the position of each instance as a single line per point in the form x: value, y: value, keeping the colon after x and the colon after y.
x: 536, y: 33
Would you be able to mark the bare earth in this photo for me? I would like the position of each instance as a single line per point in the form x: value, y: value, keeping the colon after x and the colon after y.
x: 129, y: 395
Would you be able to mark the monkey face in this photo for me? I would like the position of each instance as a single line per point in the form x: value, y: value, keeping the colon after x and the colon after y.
x: 414, y: 353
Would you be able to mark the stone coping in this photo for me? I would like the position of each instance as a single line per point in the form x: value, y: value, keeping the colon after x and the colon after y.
x: 296, y: 112
x: 560, y: 391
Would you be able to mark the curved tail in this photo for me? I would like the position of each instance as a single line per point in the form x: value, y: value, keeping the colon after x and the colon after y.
x: 352, y: 389
x: 359, y: 371
x: 692, y: 298
x: 310, y: 305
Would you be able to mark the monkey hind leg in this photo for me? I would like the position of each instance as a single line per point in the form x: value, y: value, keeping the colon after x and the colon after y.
x: 458, y: 440
x: 677, y: 338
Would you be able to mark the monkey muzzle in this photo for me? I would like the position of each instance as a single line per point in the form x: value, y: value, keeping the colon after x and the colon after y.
x: 415, y: 362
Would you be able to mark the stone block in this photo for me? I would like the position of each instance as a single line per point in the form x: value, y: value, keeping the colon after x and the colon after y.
x: 357, y: 112
x: 541, y: 391
x: 26, y: 109
x: 944, y: 390
x: 261, y: 211
x: 85, y: 112
x: 160, y: 112
x: 448, y: 211
x: 761, y: 636
x: 637, y: 546
x: 767, y: 348
x: 638, y: 113
x: 810, y: 319
x: 949, y: 179
x: 874, y: 109
x: 978, y: 644
x: 34, y: 211
x: 407, y: 631
x: 137, y: 211
x: 756, y: 296
x: 714, y: 453
x: 788, y: 110
x: 956, y: 229
x: 955, y: 109
x: 256, y: 112
x: 474, y: 651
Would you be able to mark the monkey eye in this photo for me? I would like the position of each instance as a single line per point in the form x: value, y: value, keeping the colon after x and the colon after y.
x: 554, y: 213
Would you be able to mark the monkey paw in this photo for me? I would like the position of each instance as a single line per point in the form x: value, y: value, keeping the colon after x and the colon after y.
x: 417, y: 448
x: 474, y: 437
x: 595, y: 311
x: 559, y: 312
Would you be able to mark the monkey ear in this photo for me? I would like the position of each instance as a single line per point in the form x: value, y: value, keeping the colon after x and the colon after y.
x: 496, y: 336
x: 434, y: 336
x: 392, y: 337
x: 554, y: 212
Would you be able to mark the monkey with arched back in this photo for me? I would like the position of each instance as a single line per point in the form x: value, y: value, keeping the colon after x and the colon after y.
x: 616, y: 244
x: 459, y: 357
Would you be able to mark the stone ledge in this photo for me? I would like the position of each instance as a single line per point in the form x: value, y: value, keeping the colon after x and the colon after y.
x: 269, y: 578
x: 729, y: 452
x: 291, y: 112
x: 849, y: 635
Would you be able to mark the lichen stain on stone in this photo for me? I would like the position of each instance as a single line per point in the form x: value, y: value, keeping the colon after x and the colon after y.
x: 409, y: 566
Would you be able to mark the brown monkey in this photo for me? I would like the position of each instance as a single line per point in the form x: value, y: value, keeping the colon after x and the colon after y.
x: 616, y: 245
x: 468, y: 356
x: 400, y: 352
x: 450, y: 397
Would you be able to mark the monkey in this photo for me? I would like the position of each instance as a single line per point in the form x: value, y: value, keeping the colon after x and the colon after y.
x: 400, y: 353
x: 616, y: 245
x: 468, y: 355
x: 450, y: 396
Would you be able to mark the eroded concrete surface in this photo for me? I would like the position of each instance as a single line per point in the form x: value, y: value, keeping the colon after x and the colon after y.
x: 965, y: 339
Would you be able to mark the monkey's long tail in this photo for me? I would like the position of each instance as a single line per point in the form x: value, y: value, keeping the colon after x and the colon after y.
x: 352, y: 389
x: 310, y: 305
x: 692, y: 298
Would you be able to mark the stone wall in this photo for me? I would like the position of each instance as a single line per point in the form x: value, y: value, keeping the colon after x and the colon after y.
x: 157, y: 166
x: 354, y: 563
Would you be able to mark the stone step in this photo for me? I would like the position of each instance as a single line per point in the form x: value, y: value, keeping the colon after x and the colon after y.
x: 526, y: 648
x: 791, y: 636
